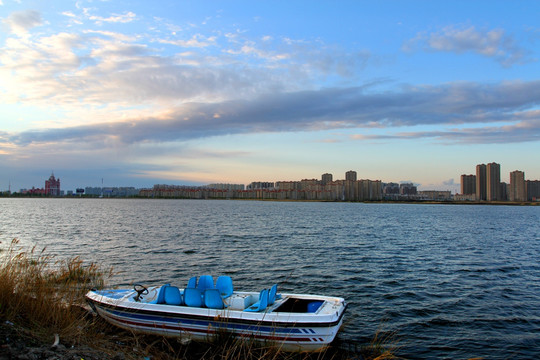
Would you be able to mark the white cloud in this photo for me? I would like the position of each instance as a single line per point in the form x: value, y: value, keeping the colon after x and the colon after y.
x: 20, y: 22
x: 114, y: 18
x: 494, y: 43
x: 196, y: 41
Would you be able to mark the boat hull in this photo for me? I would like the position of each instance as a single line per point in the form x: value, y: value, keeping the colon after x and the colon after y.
x: 288, y: 331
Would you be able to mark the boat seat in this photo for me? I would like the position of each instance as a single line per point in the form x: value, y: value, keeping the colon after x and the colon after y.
x: 272, y: 295
x: 205, y: 282
x: 213, y: 299
x: 160, y: 299
x: 225, y: 286
x: 261, y: 304
x: 172, y: 296
x: 192, y: 283
x: 193, y: 297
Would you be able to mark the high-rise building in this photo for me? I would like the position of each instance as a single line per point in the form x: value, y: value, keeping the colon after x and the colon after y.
x: 481, y: 191
x: 407, y: 189
x: 533, y: 190
x: 391, y: 188
x: 503, y: 191
x: 468, y: 184
x: 326, y: 179
x: 52, y: 186
x: 493, y: 182
x: 518, y: 190
x: 350, y: 175
x: 260, y: 185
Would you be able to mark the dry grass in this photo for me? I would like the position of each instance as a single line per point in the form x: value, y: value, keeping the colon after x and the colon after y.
x: 41, y: 294
x: 43, y: 297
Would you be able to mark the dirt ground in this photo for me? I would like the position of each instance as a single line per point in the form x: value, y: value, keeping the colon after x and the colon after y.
x: 17, y: 344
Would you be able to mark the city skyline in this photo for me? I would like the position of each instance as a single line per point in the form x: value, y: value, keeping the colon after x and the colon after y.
x: 196, y: 93
x: 469, y: 183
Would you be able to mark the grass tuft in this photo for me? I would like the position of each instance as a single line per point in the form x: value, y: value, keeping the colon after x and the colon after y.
x: 45, y: 296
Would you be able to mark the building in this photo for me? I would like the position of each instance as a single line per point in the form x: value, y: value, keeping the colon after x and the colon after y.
x: 503, y: 188
x: 435, y: 195
x: 407, y: 189
x: 287, y: 185
x: 481, y: 191
x: 493, y: 179
x: 227, y: 186
x: 260, y: 185
x: 350, y: 175
x: 52, y: 186
x: 370, y: 190
x: 391, y: 189
x: 468, y: 184
x: 533, y: 190
x: 517, y: 189
x: 326, y: 179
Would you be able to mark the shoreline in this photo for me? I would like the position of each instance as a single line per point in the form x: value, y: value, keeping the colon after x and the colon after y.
x: 427, y: 202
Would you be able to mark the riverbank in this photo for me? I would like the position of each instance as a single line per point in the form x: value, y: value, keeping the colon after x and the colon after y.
x: 383, y: 201
x: 43, y: 316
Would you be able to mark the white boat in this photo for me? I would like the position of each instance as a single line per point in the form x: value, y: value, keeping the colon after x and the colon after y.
x: 293, y: 322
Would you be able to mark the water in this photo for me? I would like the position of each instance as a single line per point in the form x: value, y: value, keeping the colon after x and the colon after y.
x: 449, y: 282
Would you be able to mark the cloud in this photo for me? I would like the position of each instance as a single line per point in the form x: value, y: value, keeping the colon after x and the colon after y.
x: 95, y: 67
x: 494, y: 43
x: 103, y: 67
x: 523, y: 131
x: 449, y: 182
x: 196, y: 41
x: 126, y: 17
x: 509, y: 104
x: 20, y: 22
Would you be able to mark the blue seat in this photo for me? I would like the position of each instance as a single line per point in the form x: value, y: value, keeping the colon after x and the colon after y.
x: 272, y: 294
x: 192, y: 283
x: 172, y: 296
x: 225, y: 286
x: 205, y: 282
x: 261, y: 304
x: 313, y: 306
x: 213, y: 300
x: 160, y: 299
x: 193, y: 297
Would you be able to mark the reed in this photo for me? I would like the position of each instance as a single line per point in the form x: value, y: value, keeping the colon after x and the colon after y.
x: 44, y: 298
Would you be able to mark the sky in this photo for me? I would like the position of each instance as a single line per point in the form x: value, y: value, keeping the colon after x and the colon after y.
x: 137, y: 93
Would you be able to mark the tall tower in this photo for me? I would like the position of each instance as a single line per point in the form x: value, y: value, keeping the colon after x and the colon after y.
x: 350, y: 175
x: 326, y: 178
x: 481, y: 191
x: 52, y: 186
x: 493, y: 178
x: 468, y: 184
x: 518, y: 190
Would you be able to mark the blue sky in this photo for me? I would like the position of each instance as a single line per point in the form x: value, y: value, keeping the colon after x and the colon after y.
x: 195, y: 92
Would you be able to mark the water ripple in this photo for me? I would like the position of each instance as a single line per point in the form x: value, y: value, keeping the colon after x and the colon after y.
x: 449, y: 281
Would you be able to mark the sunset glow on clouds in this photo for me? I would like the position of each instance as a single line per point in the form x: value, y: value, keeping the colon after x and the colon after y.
x: 187, y: 93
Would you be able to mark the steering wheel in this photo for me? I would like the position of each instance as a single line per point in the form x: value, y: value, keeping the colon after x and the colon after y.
x: 141, y: 290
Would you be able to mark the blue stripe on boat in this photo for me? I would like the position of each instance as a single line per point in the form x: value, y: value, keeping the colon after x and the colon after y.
x: 113, y: 294
x: 209, y: 330
x: 221, y: 324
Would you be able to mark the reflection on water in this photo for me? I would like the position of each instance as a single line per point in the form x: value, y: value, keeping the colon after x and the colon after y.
x: 451, y: 281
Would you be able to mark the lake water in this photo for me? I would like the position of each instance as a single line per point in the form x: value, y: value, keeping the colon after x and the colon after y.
x: 449, y: 281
